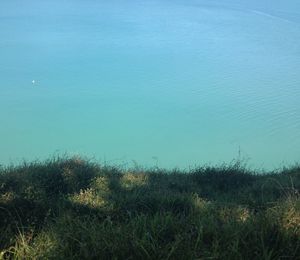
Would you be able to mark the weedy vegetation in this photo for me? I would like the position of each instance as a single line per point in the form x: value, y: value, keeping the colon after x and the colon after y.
x: 70, y: 208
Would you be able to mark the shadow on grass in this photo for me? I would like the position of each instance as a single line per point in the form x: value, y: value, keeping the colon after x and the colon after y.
x: 71, y: 208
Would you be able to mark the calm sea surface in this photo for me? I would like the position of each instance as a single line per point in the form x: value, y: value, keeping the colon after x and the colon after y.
x: 170, y: 83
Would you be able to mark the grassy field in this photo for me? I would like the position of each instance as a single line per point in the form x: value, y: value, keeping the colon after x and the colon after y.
x: 69, y: 208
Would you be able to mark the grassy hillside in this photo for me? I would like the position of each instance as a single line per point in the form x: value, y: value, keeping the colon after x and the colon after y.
x: 75, y: 209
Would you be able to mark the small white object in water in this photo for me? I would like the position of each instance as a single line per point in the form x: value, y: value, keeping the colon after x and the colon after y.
x: 33, y: 81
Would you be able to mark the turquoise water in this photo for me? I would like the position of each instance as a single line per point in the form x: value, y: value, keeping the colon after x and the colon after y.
x: 168, y: 83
